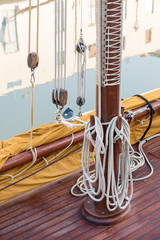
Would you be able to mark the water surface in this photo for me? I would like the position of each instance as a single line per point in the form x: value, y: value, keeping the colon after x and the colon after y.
x: 140, y: 59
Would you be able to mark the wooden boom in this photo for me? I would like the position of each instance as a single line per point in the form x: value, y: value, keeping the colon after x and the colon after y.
x: 49, y: 148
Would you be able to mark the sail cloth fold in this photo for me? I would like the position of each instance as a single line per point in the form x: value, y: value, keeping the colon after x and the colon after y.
x: 52, y: 132
x: 41, y: 135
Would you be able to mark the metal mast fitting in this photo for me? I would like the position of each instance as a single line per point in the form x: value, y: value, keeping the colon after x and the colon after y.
x: 108, y: 76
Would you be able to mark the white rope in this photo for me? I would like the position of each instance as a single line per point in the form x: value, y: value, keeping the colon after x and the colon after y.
x: 61, y: 53
x: 60, y: 45
x: 81, y: 69
x: 145, y: 157
x: 81, y: 72
x: 47, y: 161
x: 116, y: 191
x: 70, y: 123
x: 58, y: 57
x: 137, y: 160
x: 55, y: 52
x: 99, y: 58
x: 131, y: 114
x: 111, y: 48
x: 34, y: 154
x: 65, y: 44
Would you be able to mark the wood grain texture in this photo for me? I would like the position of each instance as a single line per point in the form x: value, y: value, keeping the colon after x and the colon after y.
x: 51, y: 212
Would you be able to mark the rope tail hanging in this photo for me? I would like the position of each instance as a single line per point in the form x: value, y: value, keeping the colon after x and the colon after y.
x: 32, y: 61
x: 81, y: 69
x: 59, y: 94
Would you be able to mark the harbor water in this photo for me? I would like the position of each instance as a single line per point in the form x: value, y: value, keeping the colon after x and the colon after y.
x: 140, y: 70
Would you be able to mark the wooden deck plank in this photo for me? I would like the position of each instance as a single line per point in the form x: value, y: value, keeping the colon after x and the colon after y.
x: 137, y: 207
x: 52, y: 213
x: 36, y: 206
x: 154, y: 234
x: 136, y: 211
x: 57, y: 188
x: 38, y: 219
x: 53, y: 225
x: 147, y: 227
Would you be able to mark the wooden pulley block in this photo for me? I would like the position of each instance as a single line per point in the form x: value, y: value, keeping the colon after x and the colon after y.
x: 63, y: 96
x: 32, y: 60
x: 80, y: 101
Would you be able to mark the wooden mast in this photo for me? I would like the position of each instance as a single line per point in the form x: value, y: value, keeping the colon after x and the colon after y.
x: 97, y: 212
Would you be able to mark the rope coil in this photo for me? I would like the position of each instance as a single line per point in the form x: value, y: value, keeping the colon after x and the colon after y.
x: 117, y: 190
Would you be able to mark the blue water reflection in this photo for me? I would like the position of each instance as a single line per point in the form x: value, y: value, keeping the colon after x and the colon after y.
x: 140, y: 54
x: 139, y: 75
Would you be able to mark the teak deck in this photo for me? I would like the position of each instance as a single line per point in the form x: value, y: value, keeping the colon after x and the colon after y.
x: 51, y: 212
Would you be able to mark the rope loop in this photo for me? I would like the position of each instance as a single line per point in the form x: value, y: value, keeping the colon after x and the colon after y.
x: 117, y: 190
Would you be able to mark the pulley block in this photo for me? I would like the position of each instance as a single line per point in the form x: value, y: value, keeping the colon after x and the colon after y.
x: 80, y: 46
x: 60, y: 97
x: 80, y: 101
x: 32, y: 60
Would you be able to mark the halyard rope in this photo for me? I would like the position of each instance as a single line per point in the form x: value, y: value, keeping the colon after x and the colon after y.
x: 33, y: 150
x: 60, y: 45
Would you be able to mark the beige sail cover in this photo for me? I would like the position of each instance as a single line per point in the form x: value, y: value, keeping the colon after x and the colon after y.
x: 52, y: 132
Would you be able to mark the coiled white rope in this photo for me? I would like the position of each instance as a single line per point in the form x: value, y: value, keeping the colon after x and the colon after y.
x: 117, y: 191
x: 137, y: 160
x: 145, y: 157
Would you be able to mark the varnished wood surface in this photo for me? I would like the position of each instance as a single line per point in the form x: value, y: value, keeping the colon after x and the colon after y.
x: 51, y: 212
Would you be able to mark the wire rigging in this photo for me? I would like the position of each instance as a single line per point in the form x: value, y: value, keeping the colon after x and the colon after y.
x: 81, y: 68
x: 60, y: 94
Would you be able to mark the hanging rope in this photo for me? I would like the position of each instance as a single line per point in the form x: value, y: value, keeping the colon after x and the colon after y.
x: 33, y: 60
x: 59, y: 94
x: 98, y: 57
x: 81, y: 69
x: 75, y: 26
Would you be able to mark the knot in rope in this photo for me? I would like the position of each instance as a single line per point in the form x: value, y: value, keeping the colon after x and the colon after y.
x: 119, y: 134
